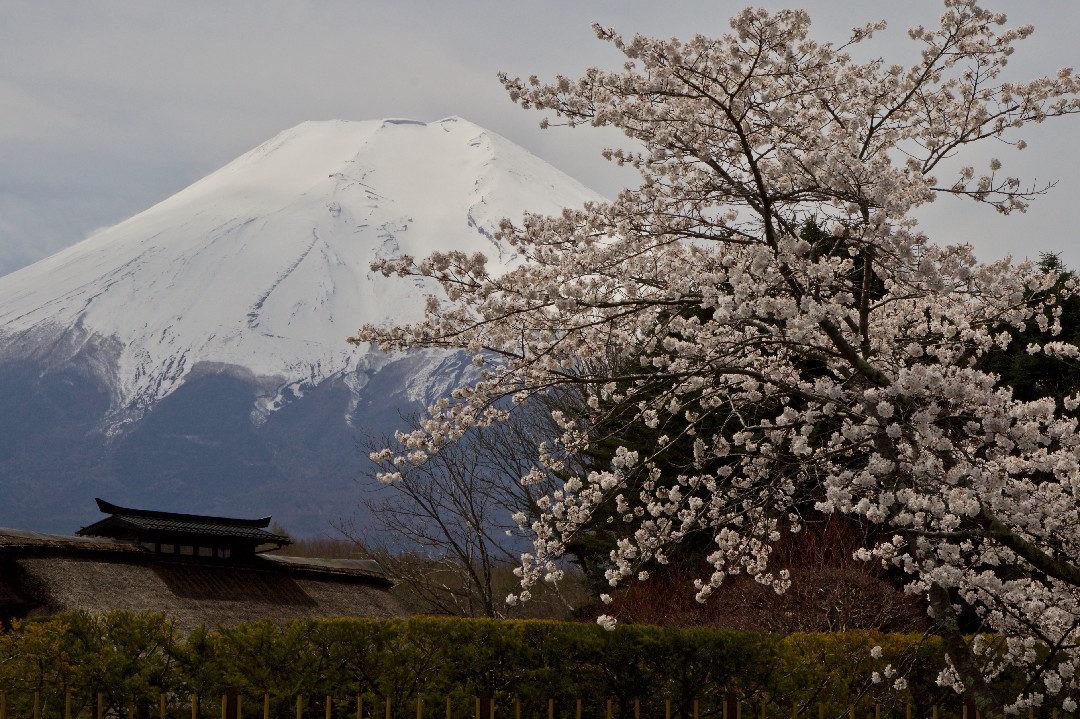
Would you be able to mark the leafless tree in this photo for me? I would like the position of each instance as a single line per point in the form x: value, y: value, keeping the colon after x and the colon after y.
x: 446, y: 530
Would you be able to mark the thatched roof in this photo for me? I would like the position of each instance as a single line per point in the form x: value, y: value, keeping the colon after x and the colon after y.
x: 42, y: 574
x: 13, y: 538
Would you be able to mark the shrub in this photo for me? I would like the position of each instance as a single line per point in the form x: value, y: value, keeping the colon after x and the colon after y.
x: 139, y: 657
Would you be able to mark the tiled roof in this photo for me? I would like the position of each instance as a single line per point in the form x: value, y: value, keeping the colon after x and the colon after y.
x: 162, y: 523
x: 198, y: 526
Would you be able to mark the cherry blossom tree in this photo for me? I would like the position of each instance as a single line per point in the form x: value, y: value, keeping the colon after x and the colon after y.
x: 765, y: 297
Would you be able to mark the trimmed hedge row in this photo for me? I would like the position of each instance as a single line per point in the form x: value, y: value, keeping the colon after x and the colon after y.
x: 138, y: 657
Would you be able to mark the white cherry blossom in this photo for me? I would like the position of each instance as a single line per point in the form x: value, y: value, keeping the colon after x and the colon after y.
x: 843, y: 361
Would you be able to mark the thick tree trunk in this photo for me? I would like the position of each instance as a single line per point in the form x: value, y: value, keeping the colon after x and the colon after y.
x: 961, y: 656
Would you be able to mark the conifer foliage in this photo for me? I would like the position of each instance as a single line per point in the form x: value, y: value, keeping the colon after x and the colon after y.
x: 838, y: 372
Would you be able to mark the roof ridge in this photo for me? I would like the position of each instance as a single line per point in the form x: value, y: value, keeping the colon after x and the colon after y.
x: 110, y: 508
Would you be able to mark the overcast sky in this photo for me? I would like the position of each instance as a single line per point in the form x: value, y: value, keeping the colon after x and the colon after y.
x: 107, y: 107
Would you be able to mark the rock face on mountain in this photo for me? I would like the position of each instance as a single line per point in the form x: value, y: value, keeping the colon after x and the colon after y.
x: 193, y: 357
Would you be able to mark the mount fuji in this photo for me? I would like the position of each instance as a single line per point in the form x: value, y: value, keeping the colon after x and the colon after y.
x: 193, y: 357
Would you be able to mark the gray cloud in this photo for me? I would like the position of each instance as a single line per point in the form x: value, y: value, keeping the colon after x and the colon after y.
x: 107, y: 107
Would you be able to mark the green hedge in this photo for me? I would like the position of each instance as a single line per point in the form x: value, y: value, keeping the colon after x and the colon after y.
x: 141, y: 656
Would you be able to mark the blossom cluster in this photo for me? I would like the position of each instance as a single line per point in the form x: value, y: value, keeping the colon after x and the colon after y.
x: 766, y: 297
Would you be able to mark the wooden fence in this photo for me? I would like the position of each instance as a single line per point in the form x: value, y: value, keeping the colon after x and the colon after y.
x: 232, y: 706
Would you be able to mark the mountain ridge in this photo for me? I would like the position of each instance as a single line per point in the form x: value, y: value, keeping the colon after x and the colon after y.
x: 303, y: 220
x: 234, y: 296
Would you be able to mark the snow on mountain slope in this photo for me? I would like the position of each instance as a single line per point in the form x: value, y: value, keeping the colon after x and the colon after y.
x: 263, y: 265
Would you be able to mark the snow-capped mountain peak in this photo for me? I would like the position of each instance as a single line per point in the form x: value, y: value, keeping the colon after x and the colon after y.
x: 262, y: 266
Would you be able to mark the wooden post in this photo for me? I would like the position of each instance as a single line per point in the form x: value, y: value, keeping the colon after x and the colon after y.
x: 299, y: 706
x: 449, y: 709
x: 387, y: 707
x: 608, y: 715
x: 419, y: 708
x: 230, y: 704
x: 907, y: 711
x: 820, y: 711
x: 266, y: 705
x: 329, y: 706
x: 877, y: 711
x: 667, y: 709
x: 933, y: 712
x: 359, y: 707
x: 695, y: 709
x: 851, y: 711
x: 37, y: 705
x: 795, y: 710
x: 577, y: 713
x: 194, y: 706
x: 551, y: 709
x: 517, y: 708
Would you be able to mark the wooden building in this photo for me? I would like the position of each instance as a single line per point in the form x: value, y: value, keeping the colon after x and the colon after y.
x: 200, y: 569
